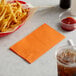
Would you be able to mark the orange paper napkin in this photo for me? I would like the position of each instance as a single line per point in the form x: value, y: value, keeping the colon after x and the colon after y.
x: 37, y: 43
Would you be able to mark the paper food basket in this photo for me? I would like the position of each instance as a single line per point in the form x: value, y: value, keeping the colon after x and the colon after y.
x: 30, y: 14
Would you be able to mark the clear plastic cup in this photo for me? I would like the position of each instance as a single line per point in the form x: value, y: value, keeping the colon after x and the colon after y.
x: 66, y: 61
x: 64, y: 26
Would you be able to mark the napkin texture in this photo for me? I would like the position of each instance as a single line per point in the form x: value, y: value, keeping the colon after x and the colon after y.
x: 37, y: 43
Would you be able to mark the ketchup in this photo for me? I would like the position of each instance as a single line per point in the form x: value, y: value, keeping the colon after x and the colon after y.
x: 68, y: 24
x: 69, y: 20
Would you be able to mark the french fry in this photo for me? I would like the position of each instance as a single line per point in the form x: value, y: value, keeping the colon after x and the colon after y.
x: 2, y: 10
x: 3, y: 2
x: 1, y: 17
x: 11, y: 15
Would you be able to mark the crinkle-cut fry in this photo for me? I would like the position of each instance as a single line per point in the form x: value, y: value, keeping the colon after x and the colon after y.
x: 1, y: 17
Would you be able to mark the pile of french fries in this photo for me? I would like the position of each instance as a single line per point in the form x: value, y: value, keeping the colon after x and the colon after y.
x: 11, y: 15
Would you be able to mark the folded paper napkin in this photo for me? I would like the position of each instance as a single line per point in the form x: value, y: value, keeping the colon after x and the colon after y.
x: 37, y: 43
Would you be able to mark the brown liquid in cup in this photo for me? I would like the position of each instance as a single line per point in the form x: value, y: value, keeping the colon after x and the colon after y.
x: 65, y: 59
x: 66, y: 71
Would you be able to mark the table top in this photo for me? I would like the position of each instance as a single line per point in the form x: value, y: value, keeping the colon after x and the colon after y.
x: 13, y: 65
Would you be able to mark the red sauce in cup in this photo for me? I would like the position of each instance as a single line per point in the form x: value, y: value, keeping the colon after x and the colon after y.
x: 68, y: 24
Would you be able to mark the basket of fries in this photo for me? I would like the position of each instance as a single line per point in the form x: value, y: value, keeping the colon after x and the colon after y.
x: 13, y: 14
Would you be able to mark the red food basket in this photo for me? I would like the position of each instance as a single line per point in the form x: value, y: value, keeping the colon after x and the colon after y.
x: 32, y: 10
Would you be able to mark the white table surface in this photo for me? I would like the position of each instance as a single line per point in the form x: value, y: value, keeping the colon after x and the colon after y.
x: 13, y: 65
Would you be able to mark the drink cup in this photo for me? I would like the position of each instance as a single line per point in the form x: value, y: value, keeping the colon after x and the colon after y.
x: 66, y: 61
